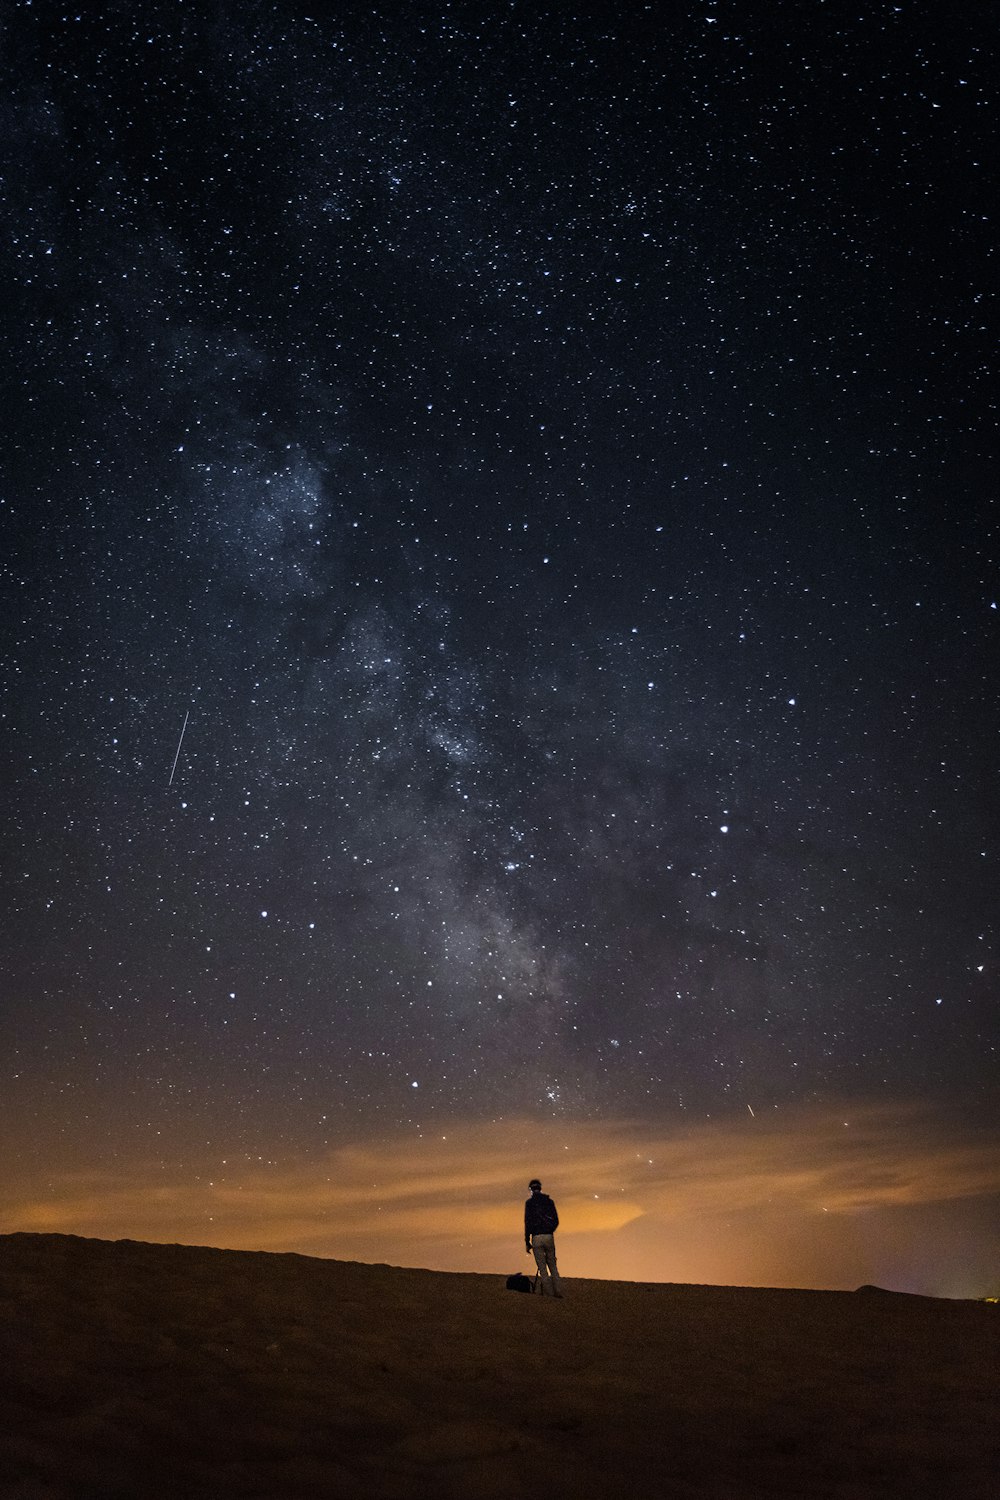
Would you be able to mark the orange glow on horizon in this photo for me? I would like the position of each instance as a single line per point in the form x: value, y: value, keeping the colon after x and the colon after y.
x: 808, y: 1198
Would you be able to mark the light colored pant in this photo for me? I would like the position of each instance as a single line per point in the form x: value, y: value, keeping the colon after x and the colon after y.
x: 544, y: 1249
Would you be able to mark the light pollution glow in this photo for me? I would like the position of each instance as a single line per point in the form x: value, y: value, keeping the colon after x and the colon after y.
x: 825, y: 1198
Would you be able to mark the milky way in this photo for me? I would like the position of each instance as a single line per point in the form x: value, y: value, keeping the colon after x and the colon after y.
x: 499, y: 567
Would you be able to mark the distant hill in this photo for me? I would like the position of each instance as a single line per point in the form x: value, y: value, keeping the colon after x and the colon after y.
x: 140, y: 1372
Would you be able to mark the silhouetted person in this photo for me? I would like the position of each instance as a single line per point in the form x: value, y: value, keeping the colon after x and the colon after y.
x: 540, y: 1224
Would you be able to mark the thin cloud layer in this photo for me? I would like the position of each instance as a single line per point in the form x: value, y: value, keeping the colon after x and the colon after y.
x: 782, y: 1198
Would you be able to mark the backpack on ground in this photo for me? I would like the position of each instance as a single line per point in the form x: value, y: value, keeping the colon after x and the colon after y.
x: 520, y: 1283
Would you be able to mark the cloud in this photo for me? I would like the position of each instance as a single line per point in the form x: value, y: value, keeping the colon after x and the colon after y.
x: 791, y: 1197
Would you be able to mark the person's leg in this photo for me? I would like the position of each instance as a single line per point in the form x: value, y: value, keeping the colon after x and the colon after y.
x: 539, y: 1249
x: 550, y: 1257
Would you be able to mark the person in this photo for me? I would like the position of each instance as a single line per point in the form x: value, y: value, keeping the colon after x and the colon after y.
x: 540, y: 1224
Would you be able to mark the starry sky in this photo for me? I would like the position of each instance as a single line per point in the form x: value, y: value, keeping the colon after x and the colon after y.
x: 499, y: 581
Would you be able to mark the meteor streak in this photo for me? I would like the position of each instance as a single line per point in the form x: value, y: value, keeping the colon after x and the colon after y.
x: 180, y: 742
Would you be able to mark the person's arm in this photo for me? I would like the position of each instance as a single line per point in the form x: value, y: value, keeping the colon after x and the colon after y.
x: 527, y: 1232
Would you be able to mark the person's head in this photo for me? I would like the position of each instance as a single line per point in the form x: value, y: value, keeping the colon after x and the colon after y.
x: 535, y: 1185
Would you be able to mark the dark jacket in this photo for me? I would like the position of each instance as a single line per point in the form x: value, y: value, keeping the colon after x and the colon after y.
x: 540, y: 1216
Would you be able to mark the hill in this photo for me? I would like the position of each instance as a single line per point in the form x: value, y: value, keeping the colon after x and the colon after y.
x: 147, y: 1370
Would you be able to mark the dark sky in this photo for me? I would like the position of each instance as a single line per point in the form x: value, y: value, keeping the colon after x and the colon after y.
x: 547, y: 461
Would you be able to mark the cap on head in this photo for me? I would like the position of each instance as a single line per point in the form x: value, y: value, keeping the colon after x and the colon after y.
x: 535, y: 1184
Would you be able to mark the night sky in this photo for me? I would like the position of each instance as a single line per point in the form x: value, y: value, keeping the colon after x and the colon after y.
x: 500, y: 595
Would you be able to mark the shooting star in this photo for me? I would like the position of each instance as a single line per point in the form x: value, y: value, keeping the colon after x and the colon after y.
x: 180, y: 742
x: 751, y: 1111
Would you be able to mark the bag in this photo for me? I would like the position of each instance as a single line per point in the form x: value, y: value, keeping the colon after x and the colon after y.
x: 520, y: 1283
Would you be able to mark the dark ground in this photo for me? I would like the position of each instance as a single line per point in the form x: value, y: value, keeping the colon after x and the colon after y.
x: 165, y: 1370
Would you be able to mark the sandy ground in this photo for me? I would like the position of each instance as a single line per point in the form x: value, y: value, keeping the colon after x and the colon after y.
x: 136, y: 1370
